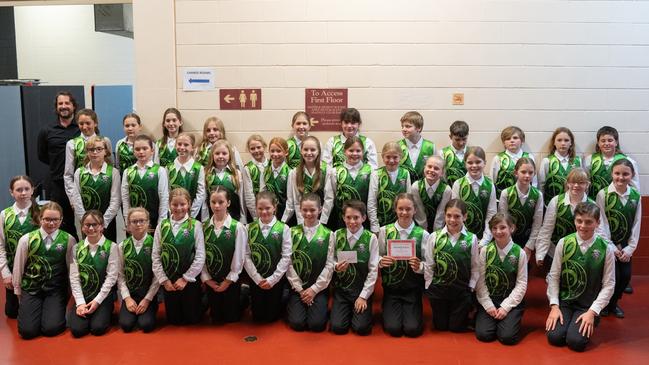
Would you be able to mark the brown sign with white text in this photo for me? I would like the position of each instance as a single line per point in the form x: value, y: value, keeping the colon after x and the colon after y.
x: 324, y: 106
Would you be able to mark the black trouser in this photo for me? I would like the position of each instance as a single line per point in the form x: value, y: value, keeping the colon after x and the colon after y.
x: 11, y: 304
x: 313, y: 317
x: 42, y: 313
x: 111, y: 231
x: 622, y: 279
x: 57, y: 193
x: 266, y: 305
x: 450, y: 313
x: 96, y: 323
x: 225, y: 307
x: 184, y: 307
x: 568, y: 332
x: 506, y: 330
x: 343, y: 314
x: 145, y: 321
x: 402, y: 312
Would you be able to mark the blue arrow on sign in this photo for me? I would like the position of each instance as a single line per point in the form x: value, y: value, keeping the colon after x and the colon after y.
x: 200, y: 81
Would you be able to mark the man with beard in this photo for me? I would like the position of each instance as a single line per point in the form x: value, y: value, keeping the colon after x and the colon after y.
x: 51, y: 151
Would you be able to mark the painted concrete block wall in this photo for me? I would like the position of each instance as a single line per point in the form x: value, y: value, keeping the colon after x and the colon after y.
x: 535, y: 64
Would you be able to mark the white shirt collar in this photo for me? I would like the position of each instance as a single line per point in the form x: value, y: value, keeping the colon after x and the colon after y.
x: 406, y: 229
x: 520, y: 193
x: 582, y: 242
x: 104, y: 167
x: 354, y: 167
x: 459, y: 152
x: 86, y: 138
x: 226, y: 223
x: 471, y: 181
x: 516, y: 155
x: 414, y: 145
x: 566, y: 200
x: 175, y: 222
x: 53, y: 235
x: 140, y: 242
x: 146, y: 165
x: 611, y: 189
x: 462, y: 231
x: 187, y: 165
x: 99, y: 243
x: 356, y: 235
x: 507, y: 248
x: 431, y: 187
x: 18, y: 211
x: 270, y: 224
x: 277, y: 169
x: 561, y: 158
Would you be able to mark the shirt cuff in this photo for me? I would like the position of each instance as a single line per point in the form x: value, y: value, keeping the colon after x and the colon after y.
x: 188, y: 278
x: 233, y: 277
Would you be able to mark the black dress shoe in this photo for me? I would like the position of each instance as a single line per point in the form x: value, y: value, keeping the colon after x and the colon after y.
x: 628, y: 289
x: 618, y: 312
x: 604, y: 312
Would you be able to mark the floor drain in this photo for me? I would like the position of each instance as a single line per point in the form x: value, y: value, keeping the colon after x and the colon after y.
x: 250, y: 338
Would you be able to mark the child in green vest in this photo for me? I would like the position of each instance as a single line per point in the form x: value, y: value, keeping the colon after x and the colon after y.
x: 136, y: 283
x: 268, y: 256
x: 311, y: 176
x: 225, y: 240
x: 214, y: 130
x: 385, y: 184
x: 334, y: 151
x: 555, y: 168
x: 301, y: 125
x: 622, y: 207
x: 451, y: 269
x: 165, y: 147
x: 124, y: 156
x: 559, y: 220
x: 221, y: 171
x: 415, y: 149
x: 581, y: 281
x: 402, y: 277
x: 356, y: 262
x: 312, y: 264
x: 501, y: 285
x: 276, y: 174
x: 598, y: 164
x: 97, y: 185
x: 253, y: 173
x: 524, y: 203
x: 93, y: 274
x: 478, y: 192
x: 145, y: 184
x: 40, y: 275
x: 188, y: 174
x: 178, y: 256
x: 502, y: 166
x: 15, y: 221
x: 431, y: 195
x: 453, y: 155
x: 352, y: 181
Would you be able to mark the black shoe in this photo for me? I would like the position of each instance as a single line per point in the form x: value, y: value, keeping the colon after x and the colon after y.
x: 628, y: 289
x: 618, y: 312
x: 604, y: 312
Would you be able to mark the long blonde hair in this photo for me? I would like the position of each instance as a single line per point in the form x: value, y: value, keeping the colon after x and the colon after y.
x: 299, y: 173
x: 219, y: 125
x: 231, y: 165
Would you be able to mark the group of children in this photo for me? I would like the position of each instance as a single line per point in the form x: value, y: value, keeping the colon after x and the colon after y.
x: 307, y: 218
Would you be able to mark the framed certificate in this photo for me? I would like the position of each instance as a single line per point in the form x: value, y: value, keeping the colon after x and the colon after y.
x: 349, y: 256
x: 401, y: 249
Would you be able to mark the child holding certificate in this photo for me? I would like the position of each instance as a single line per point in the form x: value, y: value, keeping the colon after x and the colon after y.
x: 357, y: 258
x: 402, y: 270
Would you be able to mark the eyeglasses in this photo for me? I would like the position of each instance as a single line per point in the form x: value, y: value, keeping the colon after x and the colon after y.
x: 91, y: 225
x: 95, y: 149
x: 138, y: 222
x: 51, y: 220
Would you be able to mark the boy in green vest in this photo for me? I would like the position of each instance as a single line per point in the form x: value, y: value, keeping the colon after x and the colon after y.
x: 415, y: 149
x: 334, y: 152
x: 453, y: 155
x: 502, y: 166
x: 581, y: 281
x: 357, y: 259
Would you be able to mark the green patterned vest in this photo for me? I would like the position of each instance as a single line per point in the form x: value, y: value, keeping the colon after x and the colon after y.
x: 565, y: 221
x: 581, y: 273
x: 501, y: 275
x: 189, y: 181
x: 308, y: 182
x: 177, y: 251
x: 431, y: 203
x: 350, y: 188
x: 294, y: 155
x: 255, y: 174
x: 126, y: 156
x: 92, y: 269
x: 523, y: 214
x: 138, y: 272
x: 338, y: 151
x: 309, y: 257
x: 265, y: 251
x: 13, y: 230
x: 277, y: 185
x: 203, y: 154
x: 452, y: 269
x: 555, y: 180
x: 166, y: 155
x: 387, y: 192
x: 416, y: 168
x: 352, y: 280
x: 219, y: 250
x: 399, y: 276
x: 212, y: 180
x: 621, y: 217
x: 45, y: 270
x: 95, y: 193
x: 79, y: 145
x: 453, y: 166
x: 143, y: 191
x: 600, y: 173
x: 476, y: 204
x: 505, y: 177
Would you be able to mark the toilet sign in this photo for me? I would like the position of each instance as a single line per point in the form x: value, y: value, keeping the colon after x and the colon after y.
x: 240, y: 99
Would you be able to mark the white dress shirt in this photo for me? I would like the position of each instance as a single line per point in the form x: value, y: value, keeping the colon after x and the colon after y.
x: 293, y: 196
x: 205, y: 209
x: 372, y: 264
x: 163, y: 191
x: 112, y: 271
x: 5, y: 270
x: 199, y: 251
x: 373, y: 192
x: 429, y: 256
x: 171, y: 146
x: 544, y: 169
x: 404, y: 233
x: 635, y: 181
x: 632, y: 243
x: 115, y: 196
x: 239, y: 256
x: 283, y: 263
x: 370, y: 148
x: 495, y: 164
x: 199, y: 200
x: 248, y: 191
x: 518, y: 293
x: 537, y: 220
x: 121, y: 279
x: 491, y: 207
x: 323, y: 280
x: 420, y: 215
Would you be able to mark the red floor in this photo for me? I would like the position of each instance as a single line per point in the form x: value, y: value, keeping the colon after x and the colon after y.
x: 616, y: 341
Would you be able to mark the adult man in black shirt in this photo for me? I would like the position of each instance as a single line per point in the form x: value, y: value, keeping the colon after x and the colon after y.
x: 51, y: 151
